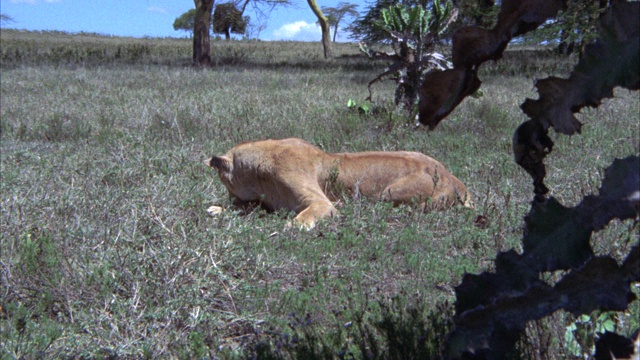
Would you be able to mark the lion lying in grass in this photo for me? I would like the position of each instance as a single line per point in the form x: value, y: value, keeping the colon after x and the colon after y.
x: 295, y: 175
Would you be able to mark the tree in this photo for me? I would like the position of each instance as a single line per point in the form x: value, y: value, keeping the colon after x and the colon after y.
x: 201, y: 38
x: 261, y: 9
x: 324, y: 25
x: 228, y: 19
x: 413, y: 33
x: 5, y: 19
x: 477, y: 12
x: 470, y: 12
x: 185, y: 21
x: 337, y: 14
x: 202, y: 22
x: 574, y: 27
x: 363, y: 28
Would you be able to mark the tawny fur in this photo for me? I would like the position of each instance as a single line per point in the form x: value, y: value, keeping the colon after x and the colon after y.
x: 295, y: 175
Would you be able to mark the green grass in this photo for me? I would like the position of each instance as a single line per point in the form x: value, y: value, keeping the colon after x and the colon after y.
x: 106, y: 246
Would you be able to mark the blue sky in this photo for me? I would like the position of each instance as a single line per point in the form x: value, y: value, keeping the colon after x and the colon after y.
x: 139, y: 18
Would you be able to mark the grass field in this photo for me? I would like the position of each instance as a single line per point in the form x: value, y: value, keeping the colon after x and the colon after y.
x: 107, y: 250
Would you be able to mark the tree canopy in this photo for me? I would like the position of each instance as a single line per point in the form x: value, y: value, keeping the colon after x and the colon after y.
x: 185, y: 21
x: 574, y: 26
x: 470, y: 12
x: 228, y: 19
x: 337, y: 14
x: 363, y: 28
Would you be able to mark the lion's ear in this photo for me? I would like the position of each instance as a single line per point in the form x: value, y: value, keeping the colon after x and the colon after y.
x: 220, y: 163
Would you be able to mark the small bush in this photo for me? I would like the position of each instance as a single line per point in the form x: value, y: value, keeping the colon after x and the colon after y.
x: 391, y: 329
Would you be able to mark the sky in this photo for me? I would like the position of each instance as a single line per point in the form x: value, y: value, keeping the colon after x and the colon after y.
x: 154, y: 18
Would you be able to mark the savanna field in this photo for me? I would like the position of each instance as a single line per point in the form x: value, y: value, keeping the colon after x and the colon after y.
x: 107, y: 250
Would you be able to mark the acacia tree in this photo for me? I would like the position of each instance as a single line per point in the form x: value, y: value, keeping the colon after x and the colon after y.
x: 338, y: 13
x: 261, y: 8
x: 185, y: 21
x: 324, y: 25
x: 202, y: 21
x: 228, y: 19
x: 201, y: 38
x: 5, y: 19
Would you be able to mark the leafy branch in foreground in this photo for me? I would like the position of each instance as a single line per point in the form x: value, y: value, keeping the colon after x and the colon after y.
x: 492, y: 309
x: 442, y: 91
x: 613, y: 60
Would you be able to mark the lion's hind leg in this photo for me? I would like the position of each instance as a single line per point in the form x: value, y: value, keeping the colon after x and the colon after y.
x: 419, y: 189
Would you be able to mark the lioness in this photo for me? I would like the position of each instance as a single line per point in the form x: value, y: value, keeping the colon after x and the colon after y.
x: 295, y: 175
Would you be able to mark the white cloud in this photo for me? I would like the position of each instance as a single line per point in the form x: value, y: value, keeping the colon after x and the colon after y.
x: 157, y: 9
x: 299, y: 31
x: 304, y: 31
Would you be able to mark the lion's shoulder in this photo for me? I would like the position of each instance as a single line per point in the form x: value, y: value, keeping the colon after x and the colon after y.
x: 276, y: 153
x: 271, y: 146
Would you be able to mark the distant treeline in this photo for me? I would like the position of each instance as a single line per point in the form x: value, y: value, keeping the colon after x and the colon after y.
x: 55, y: 48
x: 29, y: 48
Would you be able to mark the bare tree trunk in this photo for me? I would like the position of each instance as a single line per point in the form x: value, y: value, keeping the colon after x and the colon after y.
x: 201, y: 38
x: 324, y: 25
